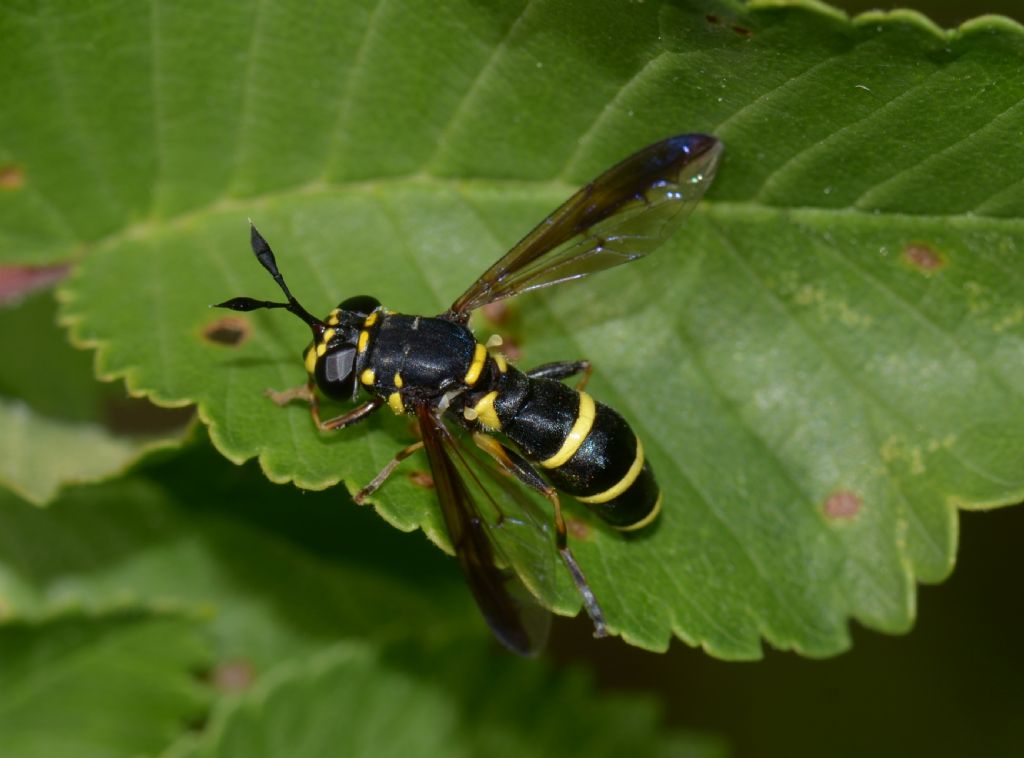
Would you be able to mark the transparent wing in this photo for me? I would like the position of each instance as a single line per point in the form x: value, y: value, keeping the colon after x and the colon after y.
x: 622, y: 215
x: 476, y: 524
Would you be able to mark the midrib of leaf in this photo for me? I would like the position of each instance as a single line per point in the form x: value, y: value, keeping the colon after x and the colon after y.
x: 822, y: 216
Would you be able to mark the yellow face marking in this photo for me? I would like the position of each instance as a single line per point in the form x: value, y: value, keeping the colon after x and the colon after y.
x: 367, y: 377
x: 485, y: 413
x: 370, y: 320
x: 500, y: 362
x: 321, y: 349
x: 329, y: 335
x: 310, y: 358
x: 646, y: 519
x: 623, y: 484
x: 364, y: 340
x: 395, y: 401
x: 479, y: 356
x: 578, y: 433
x: 398, y: 380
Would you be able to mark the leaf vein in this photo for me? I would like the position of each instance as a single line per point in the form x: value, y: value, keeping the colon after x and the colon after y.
x: 444, y: 135
x: 864, y: 200
x: 773, y: 177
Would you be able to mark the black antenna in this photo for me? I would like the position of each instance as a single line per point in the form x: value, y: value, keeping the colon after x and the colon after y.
x: 266, y: 258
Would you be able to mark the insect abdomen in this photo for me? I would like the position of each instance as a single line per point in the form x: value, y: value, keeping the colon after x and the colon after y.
x: 586, y: 449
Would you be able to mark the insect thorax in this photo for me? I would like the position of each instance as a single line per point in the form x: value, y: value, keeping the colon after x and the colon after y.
x: 417, y: 355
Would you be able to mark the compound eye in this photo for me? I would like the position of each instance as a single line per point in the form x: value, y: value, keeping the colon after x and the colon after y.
x: 363, y: 304
x: 334, y: 372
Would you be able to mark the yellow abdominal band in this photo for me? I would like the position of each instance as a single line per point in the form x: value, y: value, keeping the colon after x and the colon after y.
x: 578, y: 433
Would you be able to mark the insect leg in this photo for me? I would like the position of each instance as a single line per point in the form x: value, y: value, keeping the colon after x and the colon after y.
x: 346, y: 419
x: 521, y: 469
x: 302, y: 392
x: 369, y: 489
x: 563, y: 370
x: 307, y: 392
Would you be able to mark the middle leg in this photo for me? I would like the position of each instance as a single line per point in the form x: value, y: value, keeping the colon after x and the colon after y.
x: 563, y: 370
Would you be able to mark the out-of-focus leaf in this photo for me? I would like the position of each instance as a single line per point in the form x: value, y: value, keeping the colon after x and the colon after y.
x: 176, y: 546
x: 58, y: 425
x: 98, y: 686
x: 351, y: 701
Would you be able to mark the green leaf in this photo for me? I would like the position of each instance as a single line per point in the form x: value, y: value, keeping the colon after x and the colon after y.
x: 352, y: 701
x: 98, y: 686
x: 822, y: 364
x: 29, y: 441
x: 58, y: 425
x: 208, y: 540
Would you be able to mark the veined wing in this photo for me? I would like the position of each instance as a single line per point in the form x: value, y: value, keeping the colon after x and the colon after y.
x: 622, y: 215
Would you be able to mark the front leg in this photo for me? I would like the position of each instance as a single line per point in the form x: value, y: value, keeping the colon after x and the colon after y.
x: 307, y: 393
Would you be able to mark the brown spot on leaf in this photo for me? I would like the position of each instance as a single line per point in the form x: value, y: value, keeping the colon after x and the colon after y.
x: 711, y: 18
x: 228, y: 331
x: 421, y: 479
x: 923, y: 257
x: 578, y: 529
x: 233, y: 676
x: 742, y: 31
x: 842, y: 504
x: 12, y: 177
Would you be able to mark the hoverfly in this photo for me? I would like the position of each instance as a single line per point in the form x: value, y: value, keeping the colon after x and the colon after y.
x: 561, y: 439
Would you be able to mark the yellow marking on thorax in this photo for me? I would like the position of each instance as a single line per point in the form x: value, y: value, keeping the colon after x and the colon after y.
x: 398, y: 380
x: 500, y: 362
x: 646, y: 519
x: 334, y: 317
x: 370, y: 320
x: 479, y: 356
x: 484, y: 411
x: 328, y: 335
x: 623, y: 484
x: 310, y: 359
x: 578, y: 433
x: 395, y: 401
x: 364, y: 340
x: 367, y: 377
